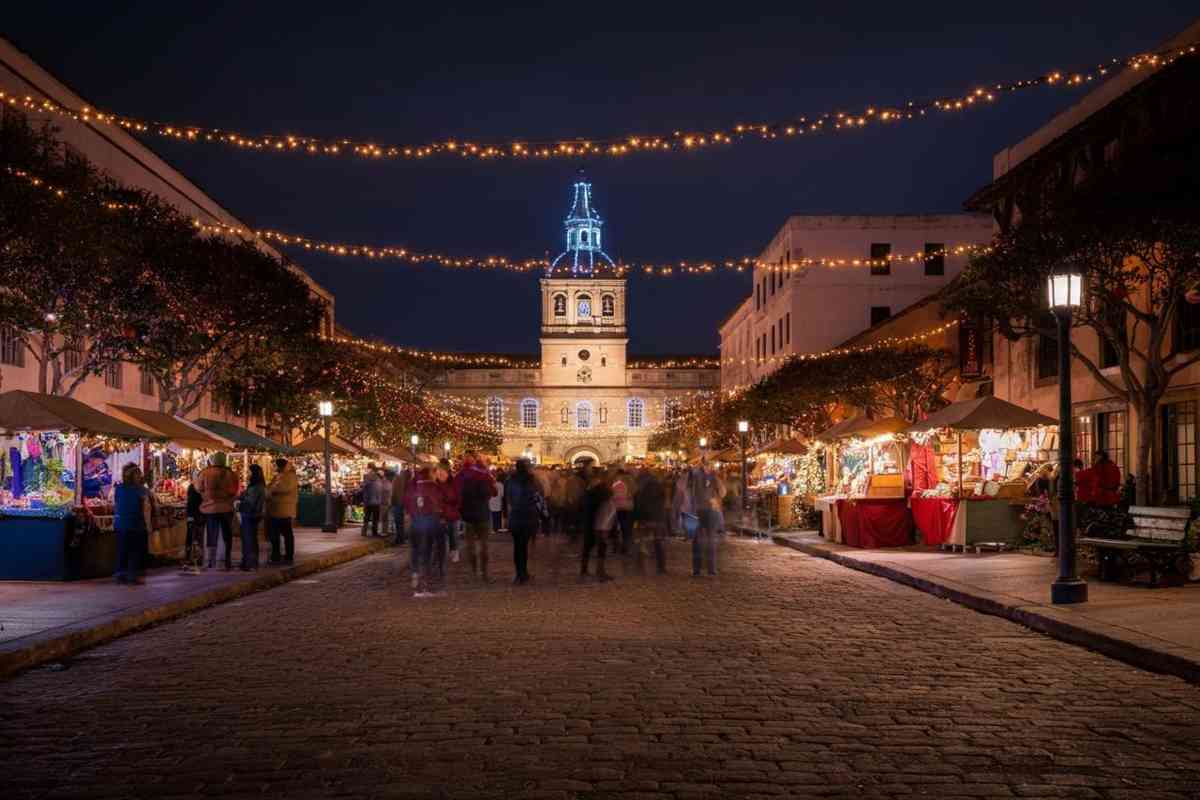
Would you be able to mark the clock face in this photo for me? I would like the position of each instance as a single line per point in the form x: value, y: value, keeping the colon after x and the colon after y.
x: 585, y: 308
x: 584, y: 355
x: 584, y: 375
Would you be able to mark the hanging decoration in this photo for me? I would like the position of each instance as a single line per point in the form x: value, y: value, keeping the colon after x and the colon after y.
x: 676, y: 141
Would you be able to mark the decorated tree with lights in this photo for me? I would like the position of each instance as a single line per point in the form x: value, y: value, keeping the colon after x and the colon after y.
x: 67, y: 287
x: 1134, y: 236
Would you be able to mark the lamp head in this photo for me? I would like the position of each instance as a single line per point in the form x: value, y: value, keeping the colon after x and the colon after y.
x: 325, y: 408
x: 1064, y: 290
x: 743, y: 426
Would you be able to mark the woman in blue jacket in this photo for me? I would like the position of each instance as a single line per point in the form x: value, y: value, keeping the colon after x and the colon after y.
x: 132, y: 509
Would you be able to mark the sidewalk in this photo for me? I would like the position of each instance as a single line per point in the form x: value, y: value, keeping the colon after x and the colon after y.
x: 1155, y: 629
x: 45, y: 621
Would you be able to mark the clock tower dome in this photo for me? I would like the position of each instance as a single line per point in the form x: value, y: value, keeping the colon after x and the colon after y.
x: 583, y: 305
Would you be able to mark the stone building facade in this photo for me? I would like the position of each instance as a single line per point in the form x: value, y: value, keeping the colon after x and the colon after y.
x: 584, y: 398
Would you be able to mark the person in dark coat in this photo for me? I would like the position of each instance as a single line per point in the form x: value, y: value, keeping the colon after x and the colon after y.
x: 650, y: 516
x: 598, y: 516
x: 526, y: 512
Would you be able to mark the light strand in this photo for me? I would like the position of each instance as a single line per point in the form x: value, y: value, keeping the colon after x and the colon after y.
x: 546, y: 148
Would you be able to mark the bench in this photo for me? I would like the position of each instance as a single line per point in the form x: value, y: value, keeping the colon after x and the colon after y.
x: 1157, y: 540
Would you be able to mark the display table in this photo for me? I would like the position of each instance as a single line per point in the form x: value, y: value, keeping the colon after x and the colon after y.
x: 962, y: 523
x: 54, y: 549
x: 310, y: 510
x: 874, y: 523
x: 831, y: 528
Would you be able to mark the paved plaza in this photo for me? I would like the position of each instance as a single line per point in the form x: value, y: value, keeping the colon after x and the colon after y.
x: 786, y: 675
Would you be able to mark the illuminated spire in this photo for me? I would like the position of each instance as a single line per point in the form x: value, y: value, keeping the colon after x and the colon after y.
x: 584, y: 254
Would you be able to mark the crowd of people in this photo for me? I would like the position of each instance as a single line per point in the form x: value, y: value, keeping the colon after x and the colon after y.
x: 632, y: 511
x: 442, y: 511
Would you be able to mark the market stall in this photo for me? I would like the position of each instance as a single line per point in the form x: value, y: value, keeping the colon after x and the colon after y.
x: 868, y: 458
x: 55, y: 484
x: 172, y: 463
x: 787, y: 473
x: 968, y: 469
x: 310, y: 471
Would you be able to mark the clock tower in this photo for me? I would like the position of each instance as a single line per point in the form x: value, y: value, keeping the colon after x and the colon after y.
x: 583, y: 306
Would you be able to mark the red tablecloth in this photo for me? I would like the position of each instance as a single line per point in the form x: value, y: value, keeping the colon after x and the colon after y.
x: 875, y: 523
x: 934, y: 517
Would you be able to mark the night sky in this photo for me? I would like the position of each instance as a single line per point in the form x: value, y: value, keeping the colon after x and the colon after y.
x: 410, y: 73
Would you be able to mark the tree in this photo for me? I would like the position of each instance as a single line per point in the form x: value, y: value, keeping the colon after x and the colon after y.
x: 1138, y: 247
x: 63, y: 276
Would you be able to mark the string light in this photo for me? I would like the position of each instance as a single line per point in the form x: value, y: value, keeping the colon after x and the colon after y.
x: 541, y: 149
x: 513, y: 264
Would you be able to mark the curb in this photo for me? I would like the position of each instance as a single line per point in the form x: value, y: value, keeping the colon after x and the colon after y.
x: 15, y: 661
x: 1036, y: 618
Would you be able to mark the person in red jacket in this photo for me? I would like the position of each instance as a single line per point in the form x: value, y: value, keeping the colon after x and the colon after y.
x: 1105, y: 481
x: 451, y: 514
x: 476, y: 486
x: 423, y: 502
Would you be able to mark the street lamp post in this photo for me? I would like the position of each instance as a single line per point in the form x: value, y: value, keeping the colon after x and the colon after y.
x: 414, y: 440
x: 1064, y: 290
x: 743, y: 429
x: 325, y: 409
x: 446, y: 449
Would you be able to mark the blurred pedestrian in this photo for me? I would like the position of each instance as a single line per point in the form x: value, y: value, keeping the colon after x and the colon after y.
x: 399, y: 490
x: 526, y: 512
x: 450, y: 517
x: 475, y: 488
x: 650, y: 513
x: 371, y: 497
x: 194, y: 549
x: 622, y: 490
x: 599, y: 516
x: 385, y: 502
x: 283, y: 497
x: 698, y: 494
x: 423, y: 502
x: 131, y: 521
x: 252, y: 506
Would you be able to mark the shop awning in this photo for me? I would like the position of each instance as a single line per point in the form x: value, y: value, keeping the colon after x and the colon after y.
x: 172, y: 428
x: 835, y: 432
x: 316, y: 444
x: 785, y: 447
x: 22, y: 411
x: 871, y: 428
x: 242, y: 438
x: 983, y: 413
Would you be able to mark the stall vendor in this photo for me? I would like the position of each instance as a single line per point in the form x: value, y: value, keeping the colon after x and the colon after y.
x: 97, y: 479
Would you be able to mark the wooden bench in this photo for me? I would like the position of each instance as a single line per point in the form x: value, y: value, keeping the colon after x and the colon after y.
x: 1156, y: 540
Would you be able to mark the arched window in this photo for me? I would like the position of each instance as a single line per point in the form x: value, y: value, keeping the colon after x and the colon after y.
x: 608, y: 306
x: 583, y: 238
x: 636, y: 414
x: 560, y: 305
x: 583, y: 415
x: 529, y: 413
x: 583, y: 305
x: 566, y: 415
x: 495, y: 412
x: 671, y: 410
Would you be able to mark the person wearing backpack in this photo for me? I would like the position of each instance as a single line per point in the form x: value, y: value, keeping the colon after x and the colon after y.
x: 218, y: 486
x: 526, y: 512
x: 475, y: 488
x: 423, y: 503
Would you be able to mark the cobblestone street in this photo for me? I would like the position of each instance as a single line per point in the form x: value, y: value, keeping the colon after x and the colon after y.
x: 785, y: 676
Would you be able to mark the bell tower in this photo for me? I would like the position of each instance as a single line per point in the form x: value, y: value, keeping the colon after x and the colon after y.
x: 583, y: 305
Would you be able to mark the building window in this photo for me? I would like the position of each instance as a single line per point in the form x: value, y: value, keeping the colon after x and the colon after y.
x: 495, y: 413
x: 608, y: 306
x: 564, y: 361
x: 881, y: 252
x: 636, y: 413
x: 879, y: 314
x: 935, y: 258
x: 1085, y: 439
x: 583, y: 415
x: 1187, y: 325
x: 12, y: 346
x: 145, y: 382
x: 529, y: 413
x: 73, y: 357
x: 566, y: 415
x: 603, y: 414
x: 583, y: 306
x: 1047, y: 352
x: 114, y: 375
x: 1111, y: 426
x: 772, y: 340
x: 1179, y: 451
x: 560, y: 305
x: 757, y: 297
x: 604, y: 361
x: 787, y: 328
x: 671, y: 410
x: 1110, y: 356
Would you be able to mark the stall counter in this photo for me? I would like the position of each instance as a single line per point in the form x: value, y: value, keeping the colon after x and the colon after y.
x: 48, y: 548
x: 875, y: 522
x: 963, y: 522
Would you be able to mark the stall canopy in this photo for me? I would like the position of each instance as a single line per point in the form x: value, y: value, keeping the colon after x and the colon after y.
x: 172, y: 428
x: 30, y: 411
x: 784, y: 447
x: 983, y: 413
x: 834, y: 433
x: 864, y: 428
x: 316, y: 444
x: 242, y: 438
